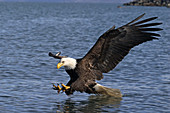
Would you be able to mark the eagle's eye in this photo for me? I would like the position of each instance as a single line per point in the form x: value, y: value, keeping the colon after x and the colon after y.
x: 62, y: 62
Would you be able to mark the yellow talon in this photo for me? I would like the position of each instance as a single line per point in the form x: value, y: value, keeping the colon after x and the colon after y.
x: 57, y: 87
x: 65, y: 87
x: 54, y: 86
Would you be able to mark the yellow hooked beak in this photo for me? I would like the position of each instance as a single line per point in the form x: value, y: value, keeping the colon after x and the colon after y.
x: 59, y: 65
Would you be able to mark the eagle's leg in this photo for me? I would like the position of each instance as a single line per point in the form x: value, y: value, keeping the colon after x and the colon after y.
x: 64, y: 87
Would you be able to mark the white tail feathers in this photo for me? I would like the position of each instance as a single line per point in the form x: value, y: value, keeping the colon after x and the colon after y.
x: 107, y: 91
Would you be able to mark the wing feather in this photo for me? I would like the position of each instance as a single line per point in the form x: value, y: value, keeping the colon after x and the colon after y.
x: 144, y: 21
x: 149, y: 25
x: 114, y: 45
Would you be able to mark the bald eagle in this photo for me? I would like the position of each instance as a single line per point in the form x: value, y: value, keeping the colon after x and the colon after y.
x: 107, y: 52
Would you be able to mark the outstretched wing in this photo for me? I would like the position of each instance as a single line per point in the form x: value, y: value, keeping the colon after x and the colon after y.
x: 114, y: 45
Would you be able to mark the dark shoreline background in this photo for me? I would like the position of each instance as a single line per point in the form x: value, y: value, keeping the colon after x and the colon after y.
x: 148, y: 3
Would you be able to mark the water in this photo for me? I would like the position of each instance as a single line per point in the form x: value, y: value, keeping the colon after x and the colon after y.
x: 28, y: 31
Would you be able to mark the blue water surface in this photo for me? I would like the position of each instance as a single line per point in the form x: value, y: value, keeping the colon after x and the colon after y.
x: 28, y: 31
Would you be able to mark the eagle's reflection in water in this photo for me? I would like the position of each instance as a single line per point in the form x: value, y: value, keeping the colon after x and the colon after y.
x: 94, y: 103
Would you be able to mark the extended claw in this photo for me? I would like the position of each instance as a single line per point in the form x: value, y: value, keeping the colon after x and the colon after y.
x: 57, y: 87
x: 64, y: 87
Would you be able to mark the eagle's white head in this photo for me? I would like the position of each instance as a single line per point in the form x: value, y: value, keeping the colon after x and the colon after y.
x: 68, y: 63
